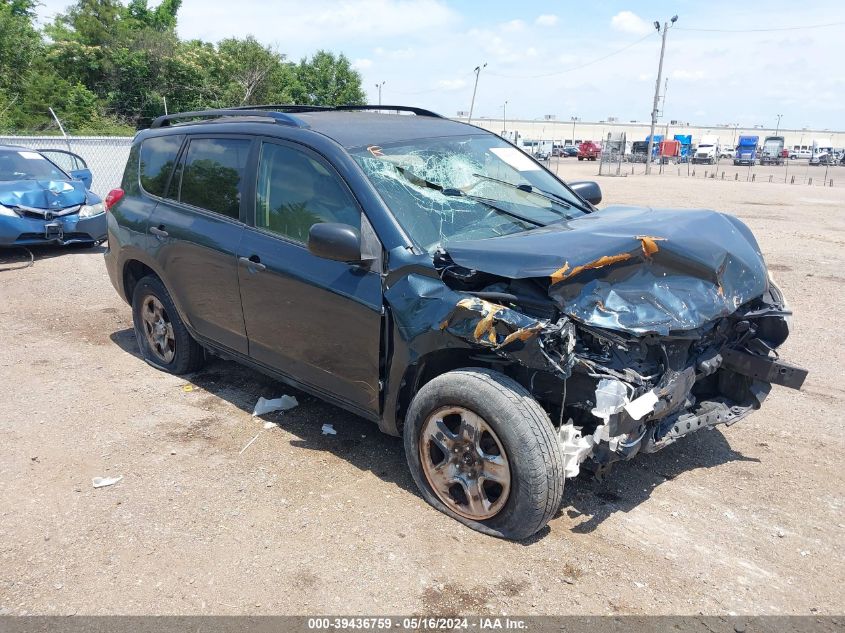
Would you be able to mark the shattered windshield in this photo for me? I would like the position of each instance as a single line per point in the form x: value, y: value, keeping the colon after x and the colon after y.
x: 27, y: 165
x: 461, y: 188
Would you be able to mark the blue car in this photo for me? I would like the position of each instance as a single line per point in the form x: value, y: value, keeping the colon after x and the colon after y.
x: 42, y: 203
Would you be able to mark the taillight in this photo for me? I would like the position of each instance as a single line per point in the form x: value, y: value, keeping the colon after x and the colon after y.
x: 114, y: 196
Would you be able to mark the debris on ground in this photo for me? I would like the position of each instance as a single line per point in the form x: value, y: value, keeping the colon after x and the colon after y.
x: 102, y: 482
x: 248, y: 444
x: 282, y: 403
x: 328, y: 429
x: 270, y: 425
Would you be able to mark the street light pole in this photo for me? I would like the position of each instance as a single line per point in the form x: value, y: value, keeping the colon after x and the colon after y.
x: 474, y: 89
x: 657, y: 89
x: 777, y: 129
x: 379, y: 85
x: 504, y: 117
x: 574, y: 118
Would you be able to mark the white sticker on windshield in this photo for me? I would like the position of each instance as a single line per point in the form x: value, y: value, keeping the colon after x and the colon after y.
x: 515, y: 158
x: 30, y: 155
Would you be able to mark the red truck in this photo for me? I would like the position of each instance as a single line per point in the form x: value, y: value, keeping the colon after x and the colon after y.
x: 588, y: 151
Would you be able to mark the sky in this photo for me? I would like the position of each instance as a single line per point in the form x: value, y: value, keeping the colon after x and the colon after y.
x: 594, y: 59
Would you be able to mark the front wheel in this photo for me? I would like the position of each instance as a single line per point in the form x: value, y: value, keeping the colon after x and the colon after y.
x: 484, y: 452
x: 163, y: 339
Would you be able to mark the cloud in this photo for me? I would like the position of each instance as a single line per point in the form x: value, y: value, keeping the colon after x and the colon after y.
x: 546, y: 19
x: 629, y: 22
x: 362, y: 63
x: 687, y: 75
x: 299, y: 25
x: 512, y: 26
x: 451, y: 84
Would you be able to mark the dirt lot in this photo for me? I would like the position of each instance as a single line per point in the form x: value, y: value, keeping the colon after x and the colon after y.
x: 746, y: 519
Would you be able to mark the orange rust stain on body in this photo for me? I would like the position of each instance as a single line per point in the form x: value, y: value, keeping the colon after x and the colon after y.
x: 649, y: 244
x: 564, y: 273
x: 522, y: 335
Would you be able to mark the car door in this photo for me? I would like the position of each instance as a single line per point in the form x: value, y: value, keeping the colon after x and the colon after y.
x: 316, y: 320
x: 72, y: 164
x: 195, y: 231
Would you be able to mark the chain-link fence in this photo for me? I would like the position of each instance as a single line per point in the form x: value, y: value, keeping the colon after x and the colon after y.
x: 612, y: 154
x: 106, y: 156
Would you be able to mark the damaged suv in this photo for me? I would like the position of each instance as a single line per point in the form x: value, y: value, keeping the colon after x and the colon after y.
x: 429, y: 276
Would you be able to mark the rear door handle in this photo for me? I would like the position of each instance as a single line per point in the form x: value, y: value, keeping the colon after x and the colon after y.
x: 159, y: 231
x: 253, y: 263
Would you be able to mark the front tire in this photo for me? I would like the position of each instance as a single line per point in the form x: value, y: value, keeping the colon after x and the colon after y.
x: 162, y: 337
x: 484, y: 452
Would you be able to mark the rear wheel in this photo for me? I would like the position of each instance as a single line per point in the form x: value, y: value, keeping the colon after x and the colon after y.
x: 162, y: 337
x: 483, y: 451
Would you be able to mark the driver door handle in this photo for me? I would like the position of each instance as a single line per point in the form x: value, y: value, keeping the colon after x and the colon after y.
x: 253, y: 263
x: 159, y: 231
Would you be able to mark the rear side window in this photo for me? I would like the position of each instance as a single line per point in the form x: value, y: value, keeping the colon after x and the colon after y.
x: 212, y: 177
x: 158, y: 156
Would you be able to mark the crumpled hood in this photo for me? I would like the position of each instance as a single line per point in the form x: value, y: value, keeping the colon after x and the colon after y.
x: 42, y: 194
x: 633, y: 269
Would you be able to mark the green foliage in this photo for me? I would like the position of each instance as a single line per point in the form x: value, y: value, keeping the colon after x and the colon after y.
x: 107, y: 67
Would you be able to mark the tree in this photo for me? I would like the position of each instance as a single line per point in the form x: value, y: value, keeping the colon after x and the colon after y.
x: 327, y: 80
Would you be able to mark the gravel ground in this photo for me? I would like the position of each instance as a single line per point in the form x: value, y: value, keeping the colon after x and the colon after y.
x: 746, y: 519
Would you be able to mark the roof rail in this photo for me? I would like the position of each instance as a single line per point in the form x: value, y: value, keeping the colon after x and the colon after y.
x: 412, y: 109
x: 319, y: 108
x: 286, y: 107
x: 273, y: 116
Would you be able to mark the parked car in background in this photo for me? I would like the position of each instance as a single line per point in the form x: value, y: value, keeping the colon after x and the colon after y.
x: 570, y: 150
x: 798, y: 154
x: 726, y: 151
x: 431, y: 277
x: 822, y: 152
x: 588, y: 151
x: 41, y: 203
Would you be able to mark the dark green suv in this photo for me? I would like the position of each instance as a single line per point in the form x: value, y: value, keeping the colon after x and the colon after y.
x: 431, y: 277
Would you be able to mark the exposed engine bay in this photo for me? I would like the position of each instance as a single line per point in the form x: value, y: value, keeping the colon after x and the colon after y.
x: 627, y: 348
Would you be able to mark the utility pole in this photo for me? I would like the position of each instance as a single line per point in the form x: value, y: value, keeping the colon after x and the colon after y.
x: 573, y: 118
x: 379, y: 85
x: 657, y: 89
x: 504, y: 117
x: 777, y: 129
x: 475, y: 88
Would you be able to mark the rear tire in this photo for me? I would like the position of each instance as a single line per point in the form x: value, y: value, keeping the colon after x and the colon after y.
x: 477, y: 412
x: 162, y: 337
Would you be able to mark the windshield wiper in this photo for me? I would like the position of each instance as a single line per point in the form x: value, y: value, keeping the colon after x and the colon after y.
x: 457, y: 193
x: 527, y: 188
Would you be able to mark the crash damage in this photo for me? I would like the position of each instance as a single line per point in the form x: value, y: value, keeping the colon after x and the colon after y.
x: 632, y: 327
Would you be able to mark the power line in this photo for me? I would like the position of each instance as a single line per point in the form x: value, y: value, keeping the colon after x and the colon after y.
x: 785, y: 28
x: 579, y: 67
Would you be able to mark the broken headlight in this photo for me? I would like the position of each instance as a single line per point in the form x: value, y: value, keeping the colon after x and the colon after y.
x: 90, y: 210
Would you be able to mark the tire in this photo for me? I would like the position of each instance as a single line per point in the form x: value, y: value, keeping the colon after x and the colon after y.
x: 520, y: 428
x: 580, y: 158
x: 154, y: 311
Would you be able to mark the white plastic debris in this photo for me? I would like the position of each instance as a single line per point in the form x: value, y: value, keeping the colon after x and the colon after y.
x: 611, y: 396
x: 102, y: 482
x: 643, y: 405
x: 270, y: 425
x: 328, y: 429
x: 574, y: 448
x: 282, y: 403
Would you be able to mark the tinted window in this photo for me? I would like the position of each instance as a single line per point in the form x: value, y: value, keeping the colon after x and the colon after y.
x: 158, y: 155
x: 213, y: 174
x: 296, y: 191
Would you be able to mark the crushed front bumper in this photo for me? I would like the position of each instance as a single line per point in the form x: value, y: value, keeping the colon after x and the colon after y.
x: 66, y: 229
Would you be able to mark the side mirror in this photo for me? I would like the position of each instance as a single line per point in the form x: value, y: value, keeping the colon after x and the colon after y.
x: 587, y: 189
x: 339, y: 242
x: 84, y: 175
